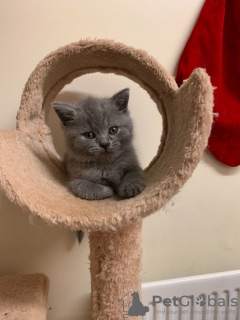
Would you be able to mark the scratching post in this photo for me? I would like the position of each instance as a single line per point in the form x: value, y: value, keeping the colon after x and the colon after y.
x: 115, y: 265
x: 31, y: 170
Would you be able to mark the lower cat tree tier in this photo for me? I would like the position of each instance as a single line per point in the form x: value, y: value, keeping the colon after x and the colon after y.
x: 23, y: 297
x: 32, y: 175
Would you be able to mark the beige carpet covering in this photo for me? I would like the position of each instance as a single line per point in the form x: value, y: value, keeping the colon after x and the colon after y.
x: 23, y: 297
x: 31, y: 170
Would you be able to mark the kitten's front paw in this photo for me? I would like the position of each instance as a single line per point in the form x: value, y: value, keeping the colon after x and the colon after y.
x: 130, y: 189
x: 103, y: 193
x: 89, y: 190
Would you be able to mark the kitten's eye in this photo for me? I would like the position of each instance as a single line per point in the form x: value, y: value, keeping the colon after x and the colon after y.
x: 113, y: 130
x: 89, y: 135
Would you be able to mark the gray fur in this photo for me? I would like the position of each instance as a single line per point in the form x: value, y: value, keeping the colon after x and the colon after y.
x: 106, y: 164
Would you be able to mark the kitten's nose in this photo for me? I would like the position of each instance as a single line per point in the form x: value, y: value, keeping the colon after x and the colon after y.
x: 104, y: 145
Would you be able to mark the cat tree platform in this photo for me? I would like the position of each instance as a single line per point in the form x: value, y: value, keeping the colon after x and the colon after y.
x: 32, y: 175
x: 23, y: 297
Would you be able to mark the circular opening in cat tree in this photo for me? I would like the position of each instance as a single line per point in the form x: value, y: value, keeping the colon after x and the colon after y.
x: 146, y: 119
x: 31, y: 171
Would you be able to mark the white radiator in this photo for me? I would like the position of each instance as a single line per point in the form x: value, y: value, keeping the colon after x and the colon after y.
x: 207, y: 297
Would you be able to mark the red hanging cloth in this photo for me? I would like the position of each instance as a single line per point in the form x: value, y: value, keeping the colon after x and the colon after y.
x: 215, y: 45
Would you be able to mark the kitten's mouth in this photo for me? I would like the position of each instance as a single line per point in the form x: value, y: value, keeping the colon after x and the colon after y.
x: 105, y: 151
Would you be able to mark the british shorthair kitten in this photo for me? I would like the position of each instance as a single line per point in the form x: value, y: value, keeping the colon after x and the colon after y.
x: 100, y: 160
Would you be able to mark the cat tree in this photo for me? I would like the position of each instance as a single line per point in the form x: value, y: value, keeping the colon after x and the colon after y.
x: 32, y: 175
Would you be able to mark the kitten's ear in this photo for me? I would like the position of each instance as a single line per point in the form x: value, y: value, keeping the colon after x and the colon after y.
x: 66, y: 112
x: 120, y: 99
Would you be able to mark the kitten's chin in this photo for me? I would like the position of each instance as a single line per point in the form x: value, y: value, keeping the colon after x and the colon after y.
x: 104, y: 156
x: 108, y: 156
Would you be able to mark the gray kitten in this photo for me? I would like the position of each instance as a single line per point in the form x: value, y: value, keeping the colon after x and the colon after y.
x: 100, y: 158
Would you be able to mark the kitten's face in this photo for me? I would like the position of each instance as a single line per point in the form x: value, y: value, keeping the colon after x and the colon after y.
x: 97, y: 128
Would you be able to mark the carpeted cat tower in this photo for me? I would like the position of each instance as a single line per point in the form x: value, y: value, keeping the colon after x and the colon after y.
x: 32, y: 175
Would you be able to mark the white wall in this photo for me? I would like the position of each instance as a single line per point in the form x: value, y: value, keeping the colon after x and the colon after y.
x: 198, y: 234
